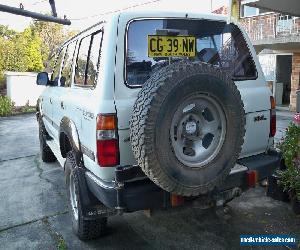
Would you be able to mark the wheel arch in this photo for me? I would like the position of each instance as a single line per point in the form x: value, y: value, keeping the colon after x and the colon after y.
x: 69, y: 139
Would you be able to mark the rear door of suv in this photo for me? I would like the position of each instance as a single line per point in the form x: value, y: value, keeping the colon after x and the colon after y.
x: 238, y: 57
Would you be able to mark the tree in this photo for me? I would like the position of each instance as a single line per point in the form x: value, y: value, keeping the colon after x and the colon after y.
x: 32, y: 49
x: 130, y: 57
x: 52, y: 36
x: 22, y: 52
x: 6, y: 33
x: 19, y: 51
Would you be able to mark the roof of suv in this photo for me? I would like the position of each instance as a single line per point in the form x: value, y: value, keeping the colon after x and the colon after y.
x: 140, y: 13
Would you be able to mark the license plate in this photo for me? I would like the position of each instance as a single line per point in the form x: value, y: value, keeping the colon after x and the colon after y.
x: 169, y: 46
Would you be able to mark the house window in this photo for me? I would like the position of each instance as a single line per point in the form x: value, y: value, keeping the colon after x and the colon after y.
x: 247, y: 11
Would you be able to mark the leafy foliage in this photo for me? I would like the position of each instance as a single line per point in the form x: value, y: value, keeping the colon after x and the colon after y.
x: 27, y: 108
x: 52, y: 36
x: 6, y: 106
x: 19, y: 51
x: 32, y: 49
x: 6, y: 33
x: 290, y: 147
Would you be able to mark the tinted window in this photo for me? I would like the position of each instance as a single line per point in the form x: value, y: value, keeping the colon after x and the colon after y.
x: 82, y: 58
x: 94, y: 59
x: 217, y: 43
x: 65, y: 79
x: 56, y: 71
x: 88, y: 59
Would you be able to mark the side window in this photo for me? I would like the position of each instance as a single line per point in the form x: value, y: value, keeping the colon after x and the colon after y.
x: 49, y: 67
x: 88, y: 59
x: 82, y: 58
x: 56, y: 70
x: 94, y: 59
x: 65, y: 79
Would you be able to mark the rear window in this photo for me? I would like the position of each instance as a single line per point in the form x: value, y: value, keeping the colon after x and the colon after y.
x: 216, y: 43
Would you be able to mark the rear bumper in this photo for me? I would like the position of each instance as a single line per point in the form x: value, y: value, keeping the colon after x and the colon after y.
x: 144, y: 194
x: 264, y: 164
x: 133, y: 196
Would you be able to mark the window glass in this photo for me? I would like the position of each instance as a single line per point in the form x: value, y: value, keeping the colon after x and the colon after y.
x: 82, y: 58
x: 56, y: 70
x: 217, y: 43
x: 65, y: 79
x: 247, y: 11
x: 88, y: 59
x: 94, y: 59
x: 49, y: 67
x: 284, y: 24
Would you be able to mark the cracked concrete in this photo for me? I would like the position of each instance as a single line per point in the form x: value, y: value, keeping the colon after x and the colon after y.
x: 54, y: 235
x: 18, y: 137
x: 33, y: 207
x: 27, y: 195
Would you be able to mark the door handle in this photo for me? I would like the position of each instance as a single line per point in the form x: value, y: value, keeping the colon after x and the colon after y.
x: 62, y: 105
x: 50, y: 100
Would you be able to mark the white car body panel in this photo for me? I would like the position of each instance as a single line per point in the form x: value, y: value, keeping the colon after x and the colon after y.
x: 111, y: 95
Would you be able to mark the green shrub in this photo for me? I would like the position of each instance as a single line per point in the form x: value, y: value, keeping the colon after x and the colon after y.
x: 27, y: 108
x: 290, y: 147
x: 2, y: 80
x: 6, y: 106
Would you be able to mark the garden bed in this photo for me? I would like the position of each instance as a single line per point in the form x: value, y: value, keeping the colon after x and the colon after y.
x: 7, y: 108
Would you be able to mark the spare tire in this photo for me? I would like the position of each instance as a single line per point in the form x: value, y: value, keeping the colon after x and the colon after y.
x: 188, y: 127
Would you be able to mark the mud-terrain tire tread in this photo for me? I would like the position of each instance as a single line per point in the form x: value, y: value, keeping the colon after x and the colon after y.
x: 84, y: 229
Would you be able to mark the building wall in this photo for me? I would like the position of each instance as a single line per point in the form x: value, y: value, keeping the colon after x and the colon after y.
x: 295, y: 80
x: 270, y: 26
x: 22, y: 88
x: 258, y: 26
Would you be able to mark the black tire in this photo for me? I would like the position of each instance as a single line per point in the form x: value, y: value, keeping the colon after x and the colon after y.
x: 151, y: 120
x: 45, y: 151
x: 84, y: 229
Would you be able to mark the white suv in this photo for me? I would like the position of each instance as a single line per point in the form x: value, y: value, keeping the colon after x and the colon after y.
x: 151, y: 110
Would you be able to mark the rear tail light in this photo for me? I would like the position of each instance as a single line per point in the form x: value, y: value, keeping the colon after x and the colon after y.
x: 252, y: 178
x: 176, y: 200
x: 107, y: 141
x: 272, y: 117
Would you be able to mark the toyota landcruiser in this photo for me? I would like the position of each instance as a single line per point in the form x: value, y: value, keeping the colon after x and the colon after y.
x: 149, y: 110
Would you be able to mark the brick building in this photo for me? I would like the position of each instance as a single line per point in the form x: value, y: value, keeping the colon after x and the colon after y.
x: 276, y: 38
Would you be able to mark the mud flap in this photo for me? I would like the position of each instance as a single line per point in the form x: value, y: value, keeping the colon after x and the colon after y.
x: 92, y: 208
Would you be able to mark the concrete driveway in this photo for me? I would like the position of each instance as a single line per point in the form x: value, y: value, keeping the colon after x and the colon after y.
x: 33, y: 208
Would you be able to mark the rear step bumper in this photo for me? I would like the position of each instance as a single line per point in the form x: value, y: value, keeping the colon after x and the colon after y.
x: 144, y: 194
